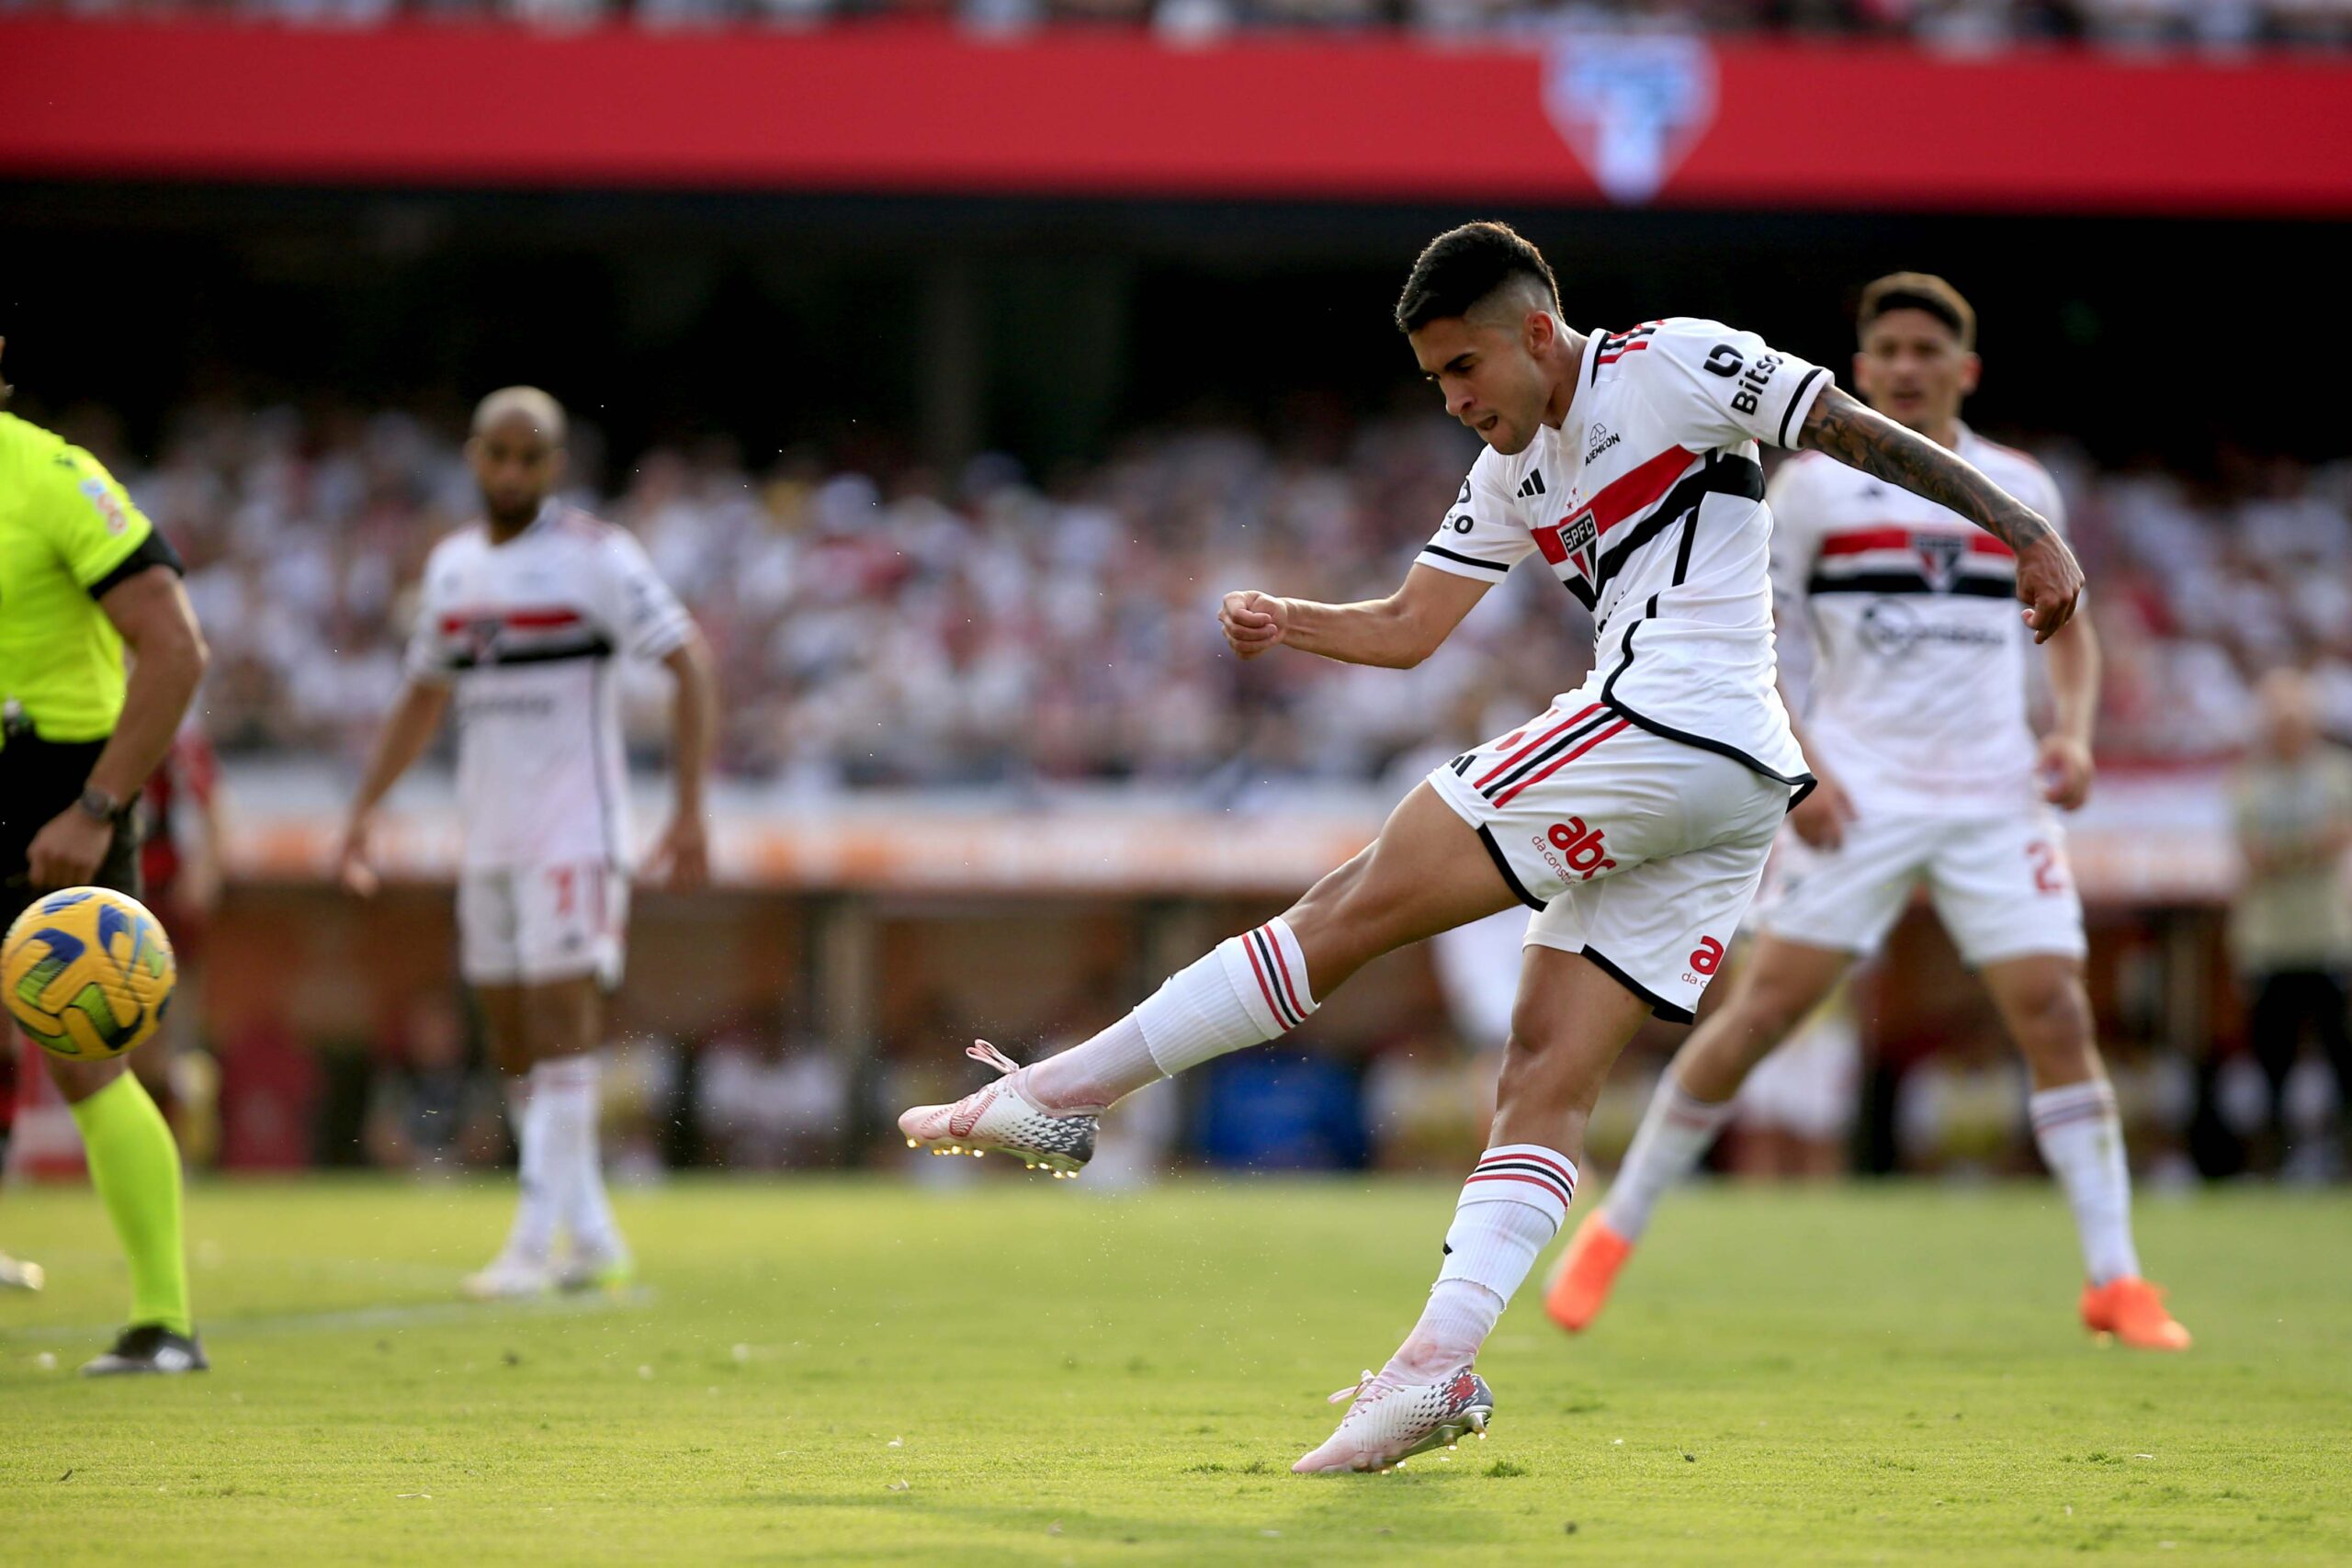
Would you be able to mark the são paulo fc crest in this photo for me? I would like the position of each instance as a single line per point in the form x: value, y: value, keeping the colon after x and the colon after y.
x: 1940, y: 555
x: 1630, y: 107
x: 1573, y: 541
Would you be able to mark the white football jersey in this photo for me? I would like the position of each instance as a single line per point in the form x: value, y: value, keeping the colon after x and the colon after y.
x: 1917, y: 701
x: 1647, y: 505
x: 527, y: 632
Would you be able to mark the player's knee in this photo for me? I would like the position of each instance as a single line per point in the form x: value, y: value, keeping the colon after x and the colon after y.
x: 1761, y: 1014
x: 1342, y: 920
x: 2052, y: 1021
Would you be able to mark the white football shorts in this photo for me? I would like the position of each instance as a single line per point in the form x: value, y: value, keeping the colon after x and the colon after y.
x: 2000, y: 884
x: 532, y: 925
x: 1640, y: 852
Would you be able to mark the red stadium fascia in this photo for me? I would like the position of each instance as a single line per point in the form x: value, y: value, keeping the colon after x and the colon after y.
x: 908, y: 108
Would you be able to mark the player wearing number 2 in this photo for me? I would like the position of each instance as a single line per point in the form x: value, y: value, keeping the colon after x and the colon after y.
x: 1634, y: 814
x: 521, y: 619
x: 1929, y: 776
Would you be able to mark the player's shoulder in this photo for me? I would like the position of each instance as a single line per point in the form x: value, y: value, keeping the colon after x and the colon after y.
x: 31, y: 457
x: 21, y: 438
x: 576, y: 529
x: 1811, y: 473
x: 453, y: 553
x: 572, y: 522
x: 2015, y: 471
x: 1670, y: 349
x: 1505, y: 476
x: 1990, y: 455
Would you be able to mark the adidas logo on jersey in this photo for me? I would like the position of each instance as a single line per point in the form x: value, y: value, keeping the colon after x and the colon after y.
x: 1531, y: 485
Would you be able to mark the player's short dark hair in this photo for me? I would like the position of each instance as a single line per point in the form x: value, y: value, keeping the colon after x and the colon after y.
x: 1917, y: 291
x: 1464, y: 265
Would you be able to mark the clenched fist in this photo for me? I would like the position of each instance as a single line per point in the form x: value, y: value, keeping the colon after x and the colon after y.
x: 1251, y: 621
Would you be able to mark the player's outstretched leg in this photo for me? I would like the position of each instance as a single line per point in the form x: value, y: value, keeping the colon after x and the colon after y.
x: 2081, y: 1138
x: 135, y: 1166
x: 1427, y: 873
x: 1778, y: 983
x: 1571, y: 1021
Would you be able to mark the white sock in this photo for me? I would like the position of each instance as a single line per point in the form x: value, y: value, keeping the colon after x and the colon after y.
x: 532, y: 1236
x: 569, y: 1092
x: 1097, y: 1074
x: 1512, y: 1205
x: 1245, y: 992
x: 2081, y: 1139
x: 1673, y: 1135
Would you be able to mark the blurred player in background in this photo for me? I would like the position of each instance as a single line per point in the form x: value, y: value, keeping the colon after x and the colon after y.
x: 1930, y: 775
x: 1635, y: 814
x: 86, y: 581
x: 2290, y: 928
x: 521, y: 617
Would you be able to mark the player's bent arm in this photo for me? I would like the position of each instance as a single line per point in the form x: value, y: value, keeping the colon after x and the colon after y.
x: 2049, y: 580
x: 167, y: 659
x: 1394, y: 632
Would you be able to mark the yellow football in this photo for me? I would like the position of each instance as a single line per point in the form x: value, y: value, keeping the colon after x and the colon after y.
x: 88, y: 972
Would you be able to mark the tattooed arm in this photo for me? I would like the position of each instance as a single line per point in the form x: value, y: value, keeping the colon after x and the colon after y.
x: 2049, y: 579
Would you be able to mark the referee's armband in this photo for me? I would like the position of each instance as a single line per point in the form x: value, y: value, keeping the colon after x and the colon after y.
x: 153, y: 550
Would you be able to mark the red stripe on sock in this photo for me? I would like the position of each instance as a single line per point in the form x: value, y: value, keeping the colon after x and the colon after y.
x: 1531, y: 1181
x: 1274, y: 946
x: 1260, y: 970
x: 1547, y: 1162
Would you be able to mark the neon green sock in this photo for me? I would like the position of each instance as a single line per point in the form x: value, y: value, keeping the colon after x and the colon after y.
x: 136, y: 1169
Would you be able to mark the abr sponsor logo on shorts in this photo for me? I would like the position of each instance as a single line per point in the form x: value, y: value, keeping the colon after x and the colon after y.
x: 1574, y: 851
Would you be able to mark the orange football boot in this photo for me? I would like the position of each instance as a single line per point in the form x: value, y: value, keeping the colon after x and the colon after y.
x: 2133, y: 1310
x: 1580, y: 1280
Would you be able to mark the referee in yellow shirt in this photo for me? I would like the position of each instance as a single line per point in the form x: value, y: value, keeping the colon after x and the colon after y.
x: 84, y: 578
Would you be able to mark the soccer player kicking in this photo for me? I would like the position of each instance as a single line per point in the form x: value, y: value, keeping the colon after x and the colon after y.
x: 520, y: 618
x: 1633, y: 813
x: 86, y: 581
x: 1930, y: 773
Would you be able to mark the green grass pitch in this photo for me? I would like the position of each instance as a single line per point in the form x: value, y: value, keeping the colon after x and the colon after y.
x: 1027, y: 1372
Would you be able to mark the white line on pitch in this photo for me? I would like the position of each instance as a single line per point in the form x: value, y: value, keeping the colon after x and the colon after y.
x: 414, y: 1315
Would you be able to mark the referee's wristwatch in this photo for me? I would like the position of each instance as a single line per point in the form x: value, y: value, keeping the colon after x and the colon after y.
x: 99, y: 804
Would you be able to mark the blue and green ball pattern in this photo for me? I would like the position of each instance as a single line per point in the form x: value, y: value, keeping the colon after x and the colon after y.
x: 87, y: 973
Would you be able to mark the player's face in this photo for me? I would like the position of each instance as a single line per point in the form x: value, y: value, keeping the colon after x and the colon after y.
x: 1489, y: 374
x: 1911, y: 369
x: 516, y: 467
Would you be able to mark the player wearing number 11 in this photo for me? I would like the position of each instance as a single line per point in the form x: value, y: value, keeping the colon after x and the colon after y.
x: 1634, y: 814
x: 522, y: 619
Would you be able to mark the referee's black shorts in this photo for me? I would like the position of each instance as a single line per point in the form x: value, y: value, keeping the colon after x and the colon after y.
x: 38, y: 780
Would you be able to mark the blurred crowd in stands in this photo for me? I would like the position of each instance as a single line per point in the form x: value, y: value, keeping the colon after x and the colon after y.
x: 983, y: 629
x: 1968, y: 24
